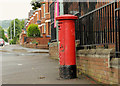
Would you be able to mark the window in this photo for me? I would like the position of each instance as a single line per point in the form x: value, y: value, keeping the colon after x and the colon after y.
x: 48, y: 28
x: 44, y: 28
x: 38, y: 16
x: 44, y: 10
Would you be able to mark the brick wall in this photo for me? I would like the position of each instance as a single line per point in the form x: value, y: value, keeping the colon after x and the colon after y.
x: 42, y: 42
x: 53, y: 50
x: 22, y: 40
x: 99, y: 64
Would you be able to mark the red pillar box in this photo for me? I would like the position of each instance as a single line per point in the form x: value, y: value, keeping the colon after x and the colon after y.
x: 67, y: 46
x: 61, y: 42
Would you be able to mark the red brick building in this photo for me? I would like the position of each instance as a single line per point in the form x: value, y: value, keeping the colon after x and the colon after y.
x: 41, y: 17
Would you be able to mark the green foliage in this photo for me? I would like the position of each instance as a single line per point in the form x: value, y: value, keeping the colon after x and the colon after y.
x: 36, y: 4
x: 33, y: 31
x: 8, y: 32
x: 19, y: 25
x: 0, y: 27
x: 2, y: 35
x: 35, y: 42
x: 22, y: 24
x: 5, y: 39
x: 13, y: 41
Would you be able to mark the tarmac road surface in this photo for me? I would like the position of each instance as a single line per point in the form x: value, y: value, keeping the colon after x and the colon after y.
x: 23, y: 67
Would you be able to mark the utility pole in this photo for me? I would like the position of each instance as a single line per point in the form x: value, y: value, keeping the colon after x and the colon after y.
x: 14, y: 27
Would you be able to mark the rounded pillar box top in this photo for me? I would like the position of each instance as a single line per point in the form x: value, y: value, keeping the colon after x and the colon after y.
x: 67, y: 16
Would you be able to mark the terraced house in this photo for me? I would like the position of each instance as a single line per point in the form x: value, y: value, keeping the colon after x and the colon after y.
x: 41, y: 17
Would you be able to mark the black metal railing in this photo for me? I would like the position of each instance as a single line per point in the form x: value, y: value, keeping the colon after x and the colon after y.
x: 53, y: 30
x: 53, y: 33
x: 117, y: 28
x: 75, y: 8
x: 100, y: 27
x: 97, y: 26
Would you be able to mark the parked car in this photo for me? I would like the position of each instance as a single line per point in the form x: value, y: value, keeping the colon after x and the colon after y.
x: 2, y: 42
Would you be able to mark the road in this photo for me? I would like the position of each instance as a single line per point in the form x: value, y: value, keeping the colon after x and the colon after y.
x: 20, y: 66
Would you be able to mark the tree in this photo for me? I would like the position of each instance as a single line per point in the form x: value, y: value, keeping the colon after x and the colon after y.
x: 17, y: 28
x: 19, y: 25
x: 33, y: 31
x: 5, y: 39
x: 2, y: 35
x: 0, y: 27
x: 36, y: 4
x: 22, y: 24
x: 9, y: 32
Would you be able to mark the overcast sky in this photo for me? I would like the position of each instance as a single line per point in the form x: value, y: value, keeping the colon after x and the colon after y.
x: 11, y: 9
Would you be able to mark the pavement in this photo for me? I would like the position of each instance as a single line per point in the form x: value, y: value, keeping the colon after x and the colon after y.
x: 18, y: 48
x: 20, y: 65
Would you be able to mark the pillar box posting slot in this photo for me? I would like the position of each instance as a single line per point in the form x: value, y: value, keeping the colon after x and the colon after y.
x: 67, y: 54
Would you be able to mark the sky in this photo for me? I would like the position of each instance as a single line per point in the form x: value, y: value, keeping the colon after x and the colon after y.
x: 11, y: 9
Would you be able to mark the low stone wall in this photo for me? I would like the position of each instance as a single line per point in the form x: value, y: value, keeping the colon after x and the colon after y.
x: 42, y: 42
x: 99, y: 64
x: 53, y: 50
x: 38, y: 39
x: 40, y: 46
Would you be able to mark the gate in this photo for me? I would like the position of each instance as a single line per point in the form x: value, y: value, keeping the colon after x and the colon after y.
x: 117, y: 27
x: 53, y: 30
x: 25, y: 39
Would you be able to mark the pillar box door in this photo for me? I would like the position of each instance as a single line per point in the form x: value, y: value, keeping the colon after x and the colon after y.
x: 61, y: 38
x: 67, y: 46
